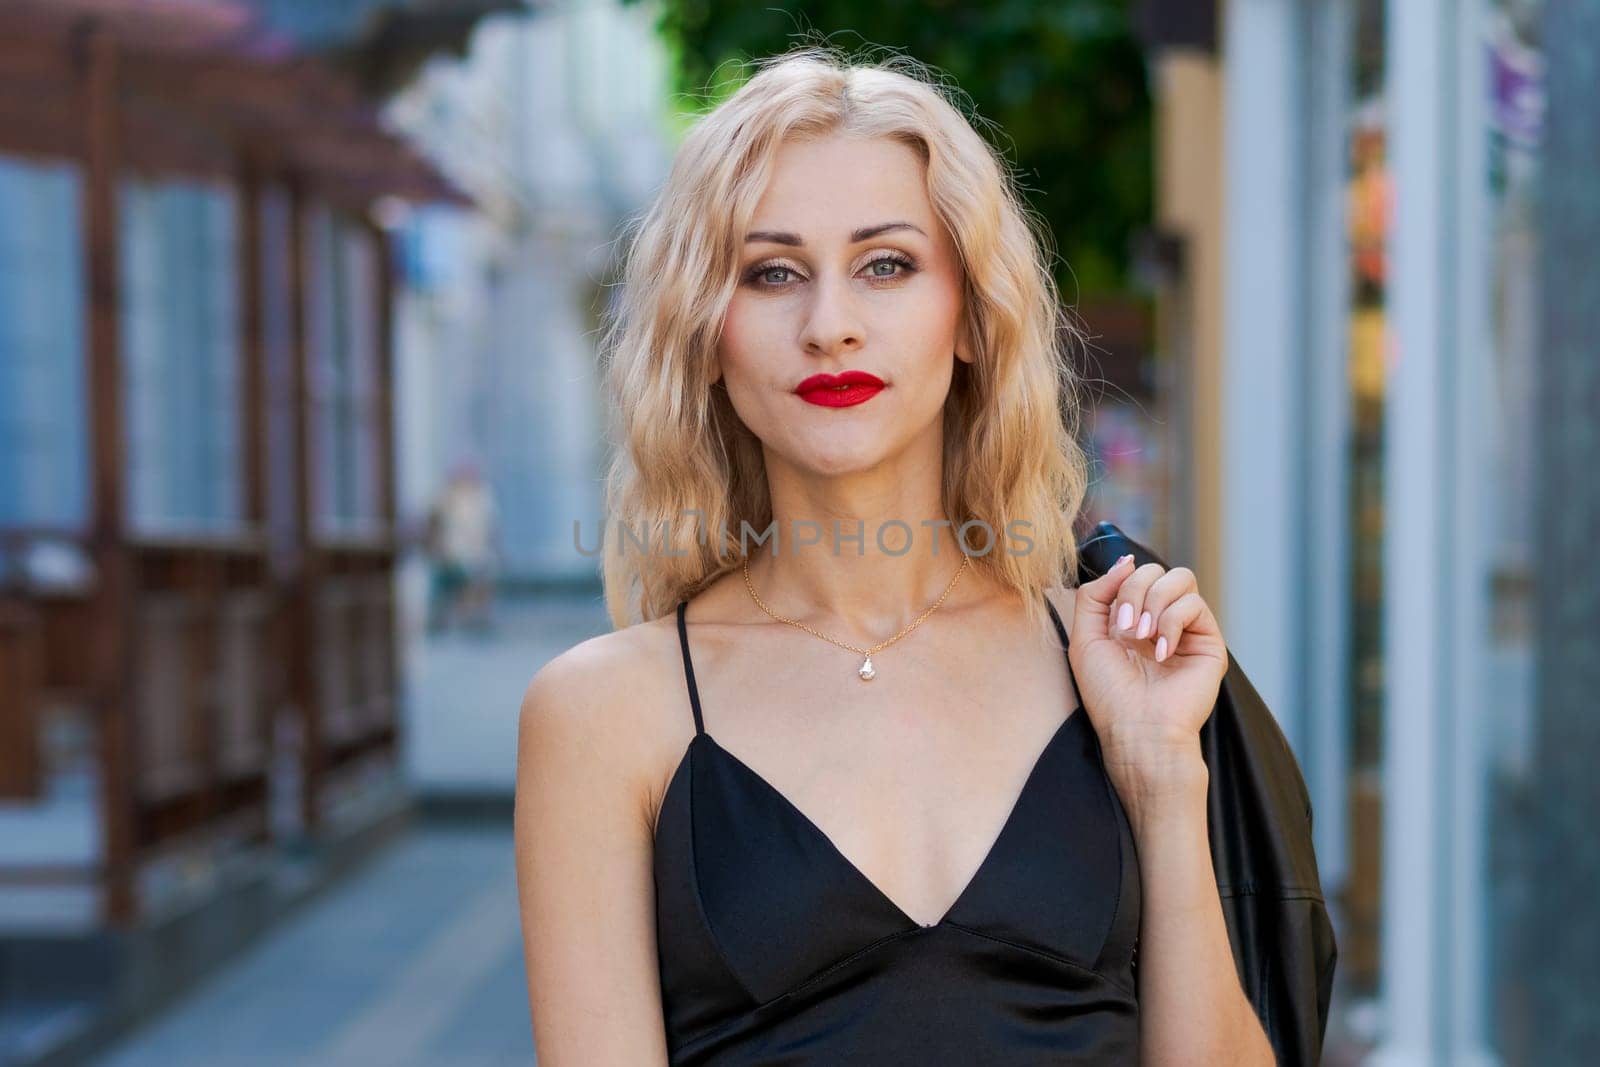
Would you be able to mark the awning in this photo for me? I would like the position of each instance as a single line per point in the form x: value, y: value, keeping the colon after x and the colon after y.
x: 201, y: 87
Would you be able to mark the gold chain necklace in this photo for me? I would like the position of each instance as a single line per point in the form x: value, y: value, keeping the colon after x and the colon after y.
x: 866, y: 671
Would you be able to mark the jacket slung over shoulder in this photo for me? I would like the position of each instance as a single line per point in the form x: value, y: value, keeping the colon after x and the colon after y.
x: 1259, y: 814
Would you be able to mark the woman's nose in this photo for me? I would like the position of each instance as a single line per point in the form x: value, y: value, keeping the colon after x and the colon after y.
x: 832, y: 322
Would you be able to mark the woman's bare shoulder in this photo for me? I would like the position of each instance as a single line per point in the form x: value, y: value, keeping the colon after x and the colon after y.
x: 615, y: 661
x: 607, y: 701
x: 606, y: 682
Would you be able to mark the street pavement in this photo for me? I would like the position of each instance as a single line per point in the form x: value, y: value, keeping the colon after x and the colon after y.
x: 415, y: 960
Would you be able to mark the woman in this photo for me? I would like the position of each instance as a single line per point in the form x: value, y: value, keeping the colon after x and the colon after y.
x: 842, y: 798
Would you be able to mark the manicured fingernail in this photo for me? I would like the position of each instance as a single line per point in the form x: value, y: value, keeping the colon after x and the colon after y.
x: 1125, y: 616
x: 1161, y: 648
x: 1124, y: 559
x: 1145, y: 625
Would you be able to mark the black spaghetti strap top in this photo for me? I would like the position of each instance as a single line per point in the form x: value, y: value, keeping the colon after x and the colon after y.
x: 775, y: 949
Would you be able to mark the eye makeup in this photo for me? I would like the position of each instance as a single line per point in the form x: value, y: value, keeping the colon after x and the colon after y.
x: 905, y: 265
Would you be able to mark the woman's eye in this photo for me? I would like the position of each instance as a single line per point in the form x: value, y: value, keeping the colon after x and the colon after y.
x: 772, y: 276
x: 888, y: 267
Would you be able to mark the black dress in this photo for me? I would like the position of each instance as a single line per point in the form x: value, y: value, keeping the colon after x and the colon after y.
x: 776, y: 949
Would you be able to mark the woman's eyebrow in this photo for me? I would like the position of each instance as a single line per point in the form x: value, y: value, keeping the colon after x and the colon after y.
x: 867, y: 232
x: 794, y: 240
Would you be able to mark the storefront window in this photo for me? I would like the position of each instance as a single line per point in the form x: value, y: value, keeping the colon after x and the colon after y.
x: 1515, y: 117
x: 1368, y: 210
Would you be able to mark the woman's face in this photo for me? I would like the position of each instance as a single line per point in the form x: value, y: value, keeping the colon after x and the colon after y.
x: 845, y: 268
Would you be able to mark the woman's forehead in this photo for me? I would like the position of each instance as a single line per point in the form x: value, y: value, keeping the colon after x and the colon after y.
x: 829, y: 187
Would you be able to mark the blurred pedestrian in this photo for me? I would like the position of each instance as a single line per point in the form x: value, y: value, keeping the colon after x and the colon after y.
x: 462, y: 541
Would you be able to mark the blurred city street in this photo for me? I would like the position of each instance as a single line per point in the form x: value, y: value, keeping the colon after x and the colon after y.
x: 416, y: 958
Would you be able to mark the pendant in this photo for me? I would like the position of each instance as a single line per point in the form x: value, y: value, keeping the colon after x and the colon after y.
x: 867, y: 670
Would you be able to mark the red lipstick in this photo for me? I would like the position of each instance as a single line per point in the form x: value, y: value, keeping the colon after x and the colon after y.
x: 839, y: 390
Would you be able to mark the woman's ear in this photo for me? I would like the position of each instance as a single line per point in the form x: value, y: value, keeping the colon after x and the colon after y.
x: 964, y: 345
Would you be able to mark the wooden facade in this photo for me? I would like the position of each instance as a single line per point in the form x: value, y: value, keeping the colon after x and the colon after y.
x: 193, y: 656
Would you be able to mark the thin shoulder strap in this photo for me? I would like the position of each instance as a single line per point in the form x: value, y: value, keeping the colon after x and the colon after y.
x: 1062, y: 631
x: 1055, y: 618
x: 688, y: 668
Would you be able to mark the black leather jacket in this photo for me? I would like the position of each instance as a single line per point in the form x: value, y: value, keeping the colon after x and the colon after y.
x: 1260, y: 828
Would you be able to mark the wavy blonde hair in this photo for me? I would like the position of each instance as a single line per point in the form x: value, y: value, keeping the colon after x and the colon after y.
x: 678, y: 447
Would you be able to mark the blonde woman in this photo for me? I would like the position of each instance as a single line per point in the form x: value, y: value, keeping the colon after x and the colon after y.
x: 858, y: 778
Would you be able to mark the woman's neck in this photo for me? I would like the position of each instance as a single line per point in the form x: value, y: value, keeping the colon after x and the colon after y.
x: 861, y: 560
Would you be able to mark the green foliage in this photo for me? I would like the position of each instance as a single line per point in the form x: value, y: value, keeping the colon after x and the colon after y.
x: 1059, y: 87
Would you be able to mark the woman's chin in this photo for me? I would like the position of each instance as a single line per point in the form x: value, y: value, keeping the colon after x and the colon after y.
x: 840, y: 462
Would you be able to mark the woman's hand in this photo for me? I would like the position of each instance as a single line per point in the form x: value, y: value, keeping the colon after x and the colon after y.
x: 1149, y: 658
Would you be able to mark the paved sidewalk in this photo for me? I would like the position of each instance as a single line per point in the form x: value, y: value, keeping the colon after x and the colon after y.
x: 414, y: 961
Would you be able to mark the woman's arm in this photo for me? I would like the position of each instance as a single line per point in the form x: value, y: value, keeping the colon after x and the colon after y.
x: 1149, y: 658
x: 1192, y: 1009
x: 584, y: 846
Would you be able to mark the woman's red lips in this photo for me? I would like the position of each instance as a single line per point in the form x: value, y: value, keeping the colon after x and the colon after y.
x: 839, y: 390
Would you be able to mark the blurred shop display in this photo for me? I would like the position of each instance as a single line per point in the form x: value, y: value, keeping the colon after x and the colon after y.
x: 1128, y: 424
x: 1368, y: 220
x: 1375, y: 244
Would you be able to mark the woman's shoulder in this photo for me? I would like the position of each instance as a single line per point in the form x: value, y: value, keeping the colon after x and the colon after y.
x: 607, y: 703
x: 614, y: 661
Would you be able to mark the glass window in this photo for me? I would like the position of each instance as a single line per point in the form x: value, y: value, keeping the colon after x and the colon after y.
x: 344, y: 360
x: 44, y: 474
x: 181, y: 355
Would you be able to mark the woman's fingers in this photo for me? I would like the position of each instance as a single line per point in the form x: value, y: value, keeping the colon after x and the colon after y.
x: 1126, y: 612
x: 1092, y: 603
x: 1176, y: 618
x: 1143, y: 597
x: 1149, y: 604
x: 1161, y: 594
x: 1156, y: 605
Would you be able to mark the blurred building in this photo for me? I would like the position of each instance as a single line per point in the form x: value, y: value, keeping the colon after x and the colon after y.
x: 1388, y: 391
x: 198, y: 664
x: 558, y: 125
